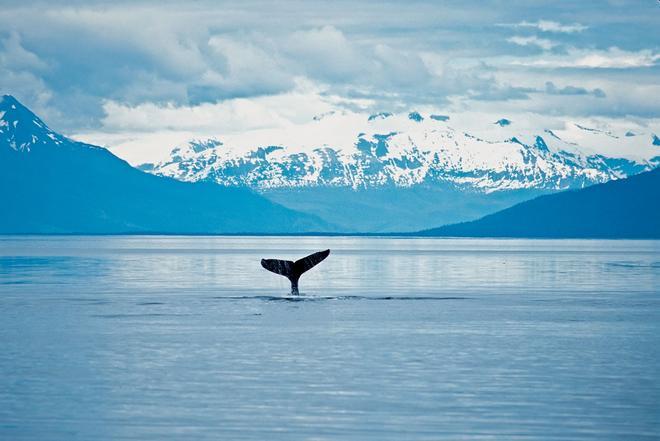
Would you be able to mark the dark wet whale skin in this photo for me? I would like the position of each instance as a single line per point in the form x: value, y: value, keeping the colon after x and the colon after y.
x: 293, y: 270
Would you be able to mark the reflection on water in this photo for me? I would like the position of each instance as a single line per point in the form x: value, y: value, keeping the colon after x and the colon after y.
x: 189, y: 338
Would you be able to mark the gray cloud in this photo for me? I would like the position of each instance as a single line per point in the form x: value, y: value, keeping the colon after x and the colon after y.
x: 551, y: 89
x: 66, y: 59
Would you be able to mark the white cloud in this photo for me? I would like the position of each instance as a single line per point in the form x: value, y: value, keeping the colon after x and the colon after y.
x: 20, y: 71
x: 543, y: 43
x: 324, y: 52
x: 612, y: 58
x: 15, y: 55
x: 341, y: 129
x: 571, y: 96
x: 251, y: 68
x: 551, y: 26
x: 227, y: 116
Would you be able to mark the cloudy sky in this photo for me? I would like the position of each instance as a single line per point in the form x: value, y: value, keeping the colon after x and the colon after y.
x: 115, y: 67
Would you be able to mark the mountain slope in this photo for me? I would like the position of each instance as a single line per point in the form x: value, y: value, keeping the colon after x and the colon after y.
x: 393, y: 209
x: 51, y: 184
x: 626, y: 208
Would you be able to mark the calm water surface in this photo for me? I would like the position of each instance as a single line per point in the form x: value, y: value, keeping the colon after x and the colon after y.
x: 158, y: 338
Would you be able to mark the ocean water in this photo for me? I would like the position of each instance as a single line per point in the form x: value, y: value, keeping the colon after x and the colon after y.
x: 159, y: 338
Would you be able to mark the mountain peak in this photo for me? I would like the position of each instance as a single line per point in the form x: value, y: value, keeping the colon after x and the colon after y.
x: 381, y: 115
x: 21, y: 129
x: 13, y: 110
x: 8, y: 100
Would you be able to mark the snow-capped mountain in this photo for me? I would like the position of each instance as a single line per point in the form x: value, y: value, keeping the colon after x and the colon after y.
x: 407, y: 150
x: 52, y: 184
x: 355, y: 172
x: 21, y: 130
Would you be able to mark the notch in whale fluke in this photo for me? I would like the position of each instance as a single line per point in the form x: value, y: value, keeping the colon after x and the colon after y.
x: 293, y: 270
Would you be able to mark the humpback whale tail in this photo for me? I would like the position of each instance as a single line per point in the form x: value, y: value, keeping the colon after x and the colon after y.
x: 293, y: 270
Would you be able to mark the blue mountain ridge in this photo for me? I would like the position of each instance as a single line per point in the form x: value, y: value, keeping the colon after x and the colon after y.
x: 626, y: 208
x: 53, y: 185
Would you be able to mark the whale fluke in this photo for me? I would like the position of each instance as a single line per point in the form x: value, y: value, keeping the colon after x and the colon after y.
x: 293, y: 270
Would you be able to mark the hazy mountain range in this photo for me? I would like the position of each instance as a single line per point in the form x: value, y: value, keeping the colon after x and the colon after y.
x: 404, y: 151
x: 409, y: 172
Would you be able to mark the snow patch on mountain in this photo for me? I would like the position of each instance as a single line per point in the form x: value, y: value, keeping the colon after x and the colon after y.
x: 350, y: 150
